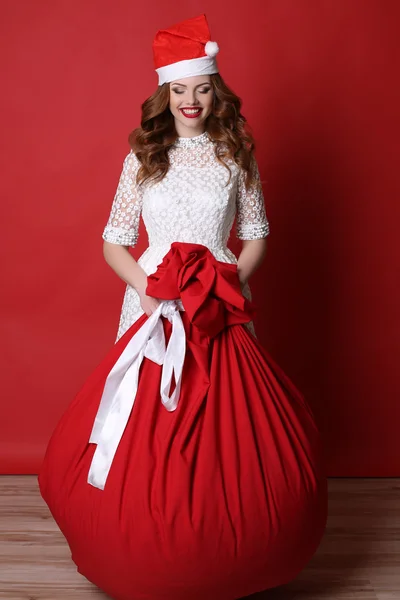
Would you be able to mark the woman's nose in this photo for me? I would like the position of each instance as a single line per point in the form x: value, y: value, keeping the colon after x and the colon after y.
x: 191, y: 99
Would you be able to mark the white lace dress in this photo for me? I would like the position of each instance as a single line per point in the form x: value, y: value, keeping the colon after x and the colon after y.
x: 193, y: 203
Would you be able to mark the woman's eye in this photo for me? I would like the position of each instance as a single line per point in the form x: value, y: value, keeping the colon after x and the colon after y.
x: 204, y: 91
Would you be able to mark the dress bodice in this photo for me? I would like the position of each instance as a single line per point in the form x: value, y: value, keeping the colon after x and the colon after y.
x: 196, y: 201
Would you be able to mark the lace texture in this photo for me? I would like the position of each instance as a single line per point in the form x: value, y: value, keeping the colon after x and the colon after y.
x: 193, y: 203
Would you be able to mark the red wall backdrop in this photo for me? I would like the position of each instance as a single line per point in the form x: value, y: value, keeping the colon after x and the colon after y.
x: 319, y: 82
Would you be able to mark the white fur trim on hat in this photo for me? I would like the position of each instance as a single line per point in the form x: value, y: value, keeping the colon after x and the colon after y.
x: 205, y: 65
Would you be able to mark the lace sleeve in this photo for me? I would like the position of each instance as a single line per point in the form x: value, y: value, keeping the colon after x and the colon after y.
x: 251, y: 218
x: 123, y: 223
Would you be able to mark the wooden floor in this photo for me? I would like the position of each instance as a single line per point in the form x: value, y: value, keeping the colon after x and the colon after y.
x: 359, y: 557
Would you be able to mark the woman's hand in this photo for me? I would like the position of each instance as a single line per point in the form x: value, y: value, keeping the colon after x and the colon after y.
x: 242, y: 282
x: 123, y: 263
x: 148, y: 303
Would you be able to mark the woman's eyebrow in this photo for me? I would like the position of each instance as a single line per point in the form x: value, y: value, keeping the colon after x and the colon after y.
x: 196, y: 86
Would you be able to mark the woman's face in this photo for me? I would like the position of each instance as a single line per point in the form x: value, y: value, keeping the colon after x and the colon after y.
x: 190, y: 102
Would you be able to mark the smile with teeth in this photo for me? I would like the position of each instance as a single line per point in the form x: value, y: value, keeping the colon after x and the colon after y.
x: 191, y: 112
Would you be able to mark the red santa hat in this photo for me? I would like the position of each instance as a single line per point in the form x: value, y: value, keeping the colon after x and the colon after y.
x: 185, y: 50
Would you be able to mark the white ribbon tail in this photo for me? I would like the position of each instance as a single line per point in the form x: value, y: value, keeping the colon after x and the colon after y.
x: 122, y: 383
x: 173, y: 363
x: 118, y: 398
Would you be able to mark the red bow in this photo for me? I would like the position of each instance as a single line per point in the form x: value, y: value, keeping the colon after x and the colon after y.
x: 209, y: 289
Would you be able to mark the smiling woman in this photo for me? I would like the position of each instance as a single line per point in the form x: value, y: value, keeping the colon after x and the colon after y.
x: 189, y: 466
x: 191, y: 104
x: 188, y: 107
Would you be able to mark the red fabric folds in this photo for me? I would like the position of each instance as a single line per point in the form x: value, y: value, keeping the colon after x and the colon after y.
x: 221, y: 498
x: 209, y: 289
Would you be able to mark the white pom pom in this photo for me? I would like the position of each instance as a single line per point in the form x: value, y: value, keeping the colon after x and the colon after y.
x: 211, y: 49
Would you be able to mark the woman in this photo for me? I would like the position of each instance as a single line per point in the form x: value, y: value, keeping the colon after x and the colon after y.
x: 186, y: 125
x: 189, y: 465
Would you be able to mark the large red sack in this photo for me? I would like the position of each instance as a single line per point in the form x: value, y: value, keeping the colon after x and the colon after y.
x: 216, y: 493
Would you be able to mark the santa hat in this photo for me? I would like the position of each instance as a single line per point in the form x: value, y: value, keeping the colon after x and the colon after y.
x: 185, y: 50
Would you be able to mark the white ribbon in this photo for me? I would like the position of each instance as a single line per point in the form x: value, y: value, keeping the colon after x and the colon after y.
x: 122, y: 383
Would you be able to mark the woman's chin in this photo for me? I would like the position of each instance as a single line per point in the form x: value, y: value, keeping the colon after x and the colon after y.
x: 191, y: 123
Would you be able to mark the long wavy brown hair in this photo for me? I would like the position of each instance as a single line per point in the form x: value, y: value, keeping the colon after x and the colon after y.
x: 226, y: 125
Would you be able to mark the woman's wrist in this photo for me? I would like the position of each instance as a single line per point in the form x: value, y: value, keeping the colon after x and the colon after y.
x: 141, y: 285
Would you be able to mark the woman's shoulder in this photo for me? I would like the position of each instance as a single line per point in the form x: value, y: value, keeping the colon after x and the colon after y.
x: 131, y: 160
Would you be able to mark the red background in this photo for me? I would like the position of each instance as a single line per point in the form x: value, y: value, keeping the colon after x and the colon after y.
x: 319, y: 83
